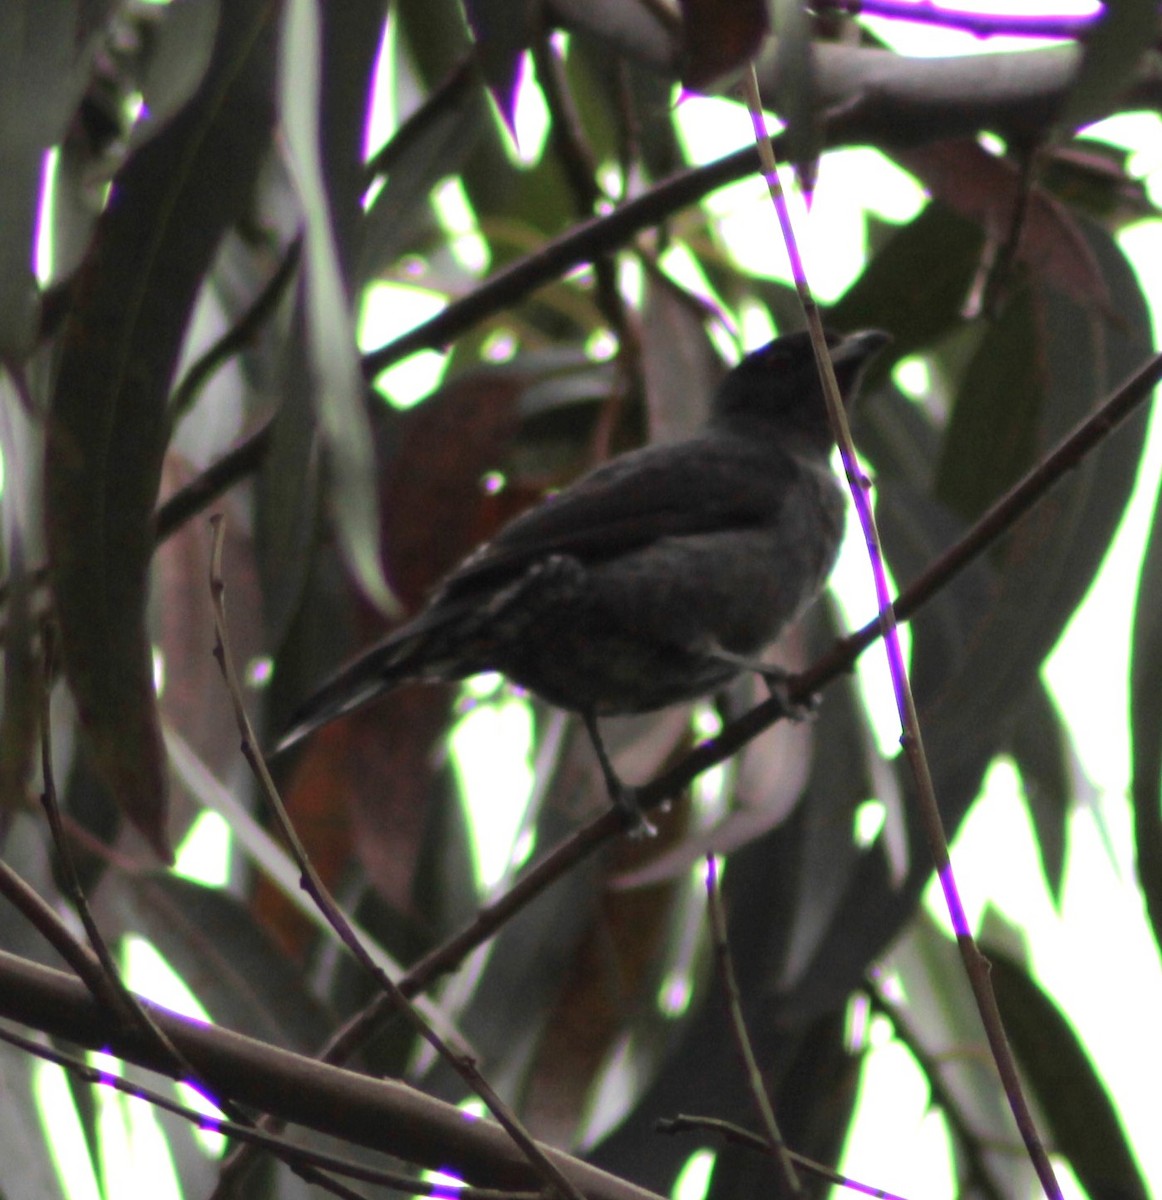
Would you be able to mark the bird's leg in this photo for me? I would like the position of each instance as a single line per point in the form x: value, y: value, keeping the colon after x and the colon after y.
x: 621, y: 794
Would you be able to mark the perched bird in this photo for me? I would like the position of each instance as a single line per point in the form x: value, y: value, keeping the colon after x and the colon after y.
x: 655, y: 578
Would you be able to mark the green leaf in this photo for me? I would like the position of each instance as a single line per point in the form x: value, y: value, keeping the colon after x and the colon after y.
x: 29, y: 1170
x: 241, y: 977
x: 1146, y: 725
x: 1111, y: 52
x: 1042, y: 750
x: 938, y: 1013
x: 178, y: 55
x: 1082, y: 1123
x: 502, y: 31
x: 345, y: 429
x: 795, y: 86
x: 108, y: 424
x: 916, y: 285
x: 991, y: 437
x: 43, y: 71
x: 429, y: 146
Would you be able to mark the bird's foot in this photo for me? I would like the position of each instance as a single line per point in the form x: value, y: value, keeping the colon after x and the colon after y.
x: 778, y: 684
x: 623, y: 797
x: 625, y: 804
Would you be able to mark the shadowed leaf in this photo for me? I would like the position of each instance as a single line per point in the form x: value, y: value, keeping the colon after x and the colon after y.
x: 1082, y: 1122
x: 108, y: 425
x: 502, y: 31
x: 1146, y: 725
x: 339, y: 392
x: 719, y: 38
x: 43, y: 70
x: 1042, y: 751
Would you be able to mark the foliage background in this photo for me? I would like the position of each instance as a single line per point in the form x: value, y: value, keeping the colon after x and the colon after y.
x: 219, y: 228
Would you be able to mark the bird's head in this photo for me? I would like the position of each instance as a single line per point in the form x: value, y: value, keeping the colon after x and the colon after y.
x: 777, y: 388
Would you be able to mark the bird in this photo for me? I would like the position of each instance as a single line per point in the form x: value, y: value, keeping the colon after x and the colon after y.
x: 657, y: 577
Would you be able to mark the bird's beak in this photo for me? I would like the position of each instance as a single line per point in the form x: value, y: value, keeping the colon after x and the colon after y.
x: 859, y: 349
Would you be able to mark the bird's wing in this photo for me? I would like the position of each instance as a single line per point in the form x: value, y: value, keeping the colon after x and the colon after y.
x: 695, y: 487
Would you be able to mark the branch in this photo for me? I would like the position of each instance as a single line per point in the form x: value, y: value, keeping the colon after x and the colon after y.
x: 979, y: 24
x: 293, y: 1153
x: 772, y: 1134
x: 381, y: 1114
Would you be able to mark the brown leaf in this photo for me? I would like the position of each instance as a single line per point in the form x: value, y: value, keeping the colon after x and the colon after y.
x: 986, y: 189
x: 719, y: 37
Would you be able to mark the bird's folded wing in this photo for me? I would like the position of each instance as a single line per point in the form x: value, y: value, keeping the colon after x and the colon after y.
x: 698, y: 487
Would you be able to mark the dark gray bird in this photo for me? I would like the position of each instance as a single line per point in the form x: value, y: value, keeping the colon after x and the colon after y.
x: 657, y: 577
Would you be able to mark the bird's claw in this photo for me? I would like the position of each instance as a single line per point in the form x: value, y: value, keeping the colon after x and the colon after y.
x: 778, y: 685
x: 635, y: 821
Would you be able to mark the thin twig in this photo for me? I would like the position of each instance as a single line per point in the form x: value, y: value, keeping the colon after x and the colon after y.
x: 460, y: 1063
x: 41, y: 916
x: 729, y: 1132
x: 127, y: 1006
x: 773, y: 1137
x: 975, y: 965
x: 290, y: 1152
x: 239, y: 335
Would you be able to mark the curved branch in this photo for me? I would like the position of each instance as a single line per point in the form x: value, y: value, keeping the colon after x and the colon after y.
x: 382, y: 1114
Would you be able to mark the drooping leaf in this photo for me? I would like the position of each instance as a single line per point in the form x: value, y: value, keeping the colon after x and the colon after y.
x: 1146, y: 726
x: 351, y: 40
x: 340, y: 399
x: 936, y: 1015
x: 43, y: 69
x: 28, y: 1163
x: 179, y: 49
x: 795, y: 90
x: 194, y: 702
x: 991, y: 437
x: 239, y: 975
x: 987, y: 189
x: 1042, y: 751
x: 719, y: 39
x: 1125, y: 31
x: 108, y: 425
x: 1082, y: 1123
x: 429, y: 146
x: 502, y: 31
x: 916, y: 286
x: 680, y: 366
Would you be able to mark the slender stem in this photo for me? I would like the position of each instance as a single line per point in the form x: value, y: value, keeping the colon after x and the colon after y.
x: 730, y: 1132
x: 462, y: 1064
x: 773, y: 1136
x: 975, y: 965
